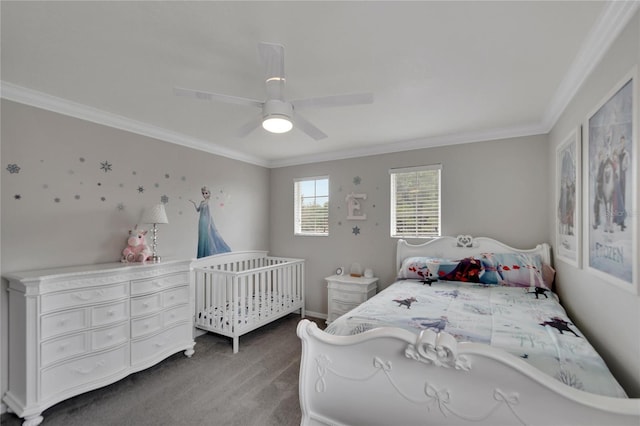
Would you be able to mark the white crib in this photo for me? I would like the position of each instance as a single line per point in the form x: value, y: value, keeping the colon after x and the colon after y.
x: 238, y: 292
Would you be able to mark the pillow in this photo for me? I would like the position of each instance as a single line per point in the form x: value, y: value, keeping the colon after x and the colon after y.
x: 422, y: 268
x: 490, y: 273
x: 514, y: 269
x: 468, y: 270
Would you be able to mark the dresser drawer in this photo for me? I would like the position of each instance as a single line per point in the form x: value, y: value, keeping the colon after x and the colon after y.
x: 64, y: 300
x: 159, y: 344
x: 63, y: 322
x: 143, y: 305
x: 83, y: 371
x: 159, y: 283
x: 146, y: 325
x: 112, y: 336
x: 62, y: 348
x: 175, y: 297
x: 177, y: 314
x: 109, y: 314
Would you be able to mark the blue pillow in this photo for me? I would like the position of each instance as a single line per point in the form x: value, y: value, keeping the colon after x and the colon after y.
x: 513, y: 269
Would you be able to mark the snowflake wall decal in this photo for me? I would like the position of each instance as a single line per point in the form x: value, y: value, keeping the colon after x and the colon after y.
x: 164, y: 199
x: 141, y: 189
x: 17, y: 197
x: 105, y: 166
x: 13, y: 168
x: 357, y: 180
x: 355, y: 230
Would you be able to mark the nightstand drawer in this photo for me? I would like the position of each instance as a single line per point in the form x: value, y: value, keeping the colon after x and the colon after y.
x: 343, y: 308
x: 348, y: 297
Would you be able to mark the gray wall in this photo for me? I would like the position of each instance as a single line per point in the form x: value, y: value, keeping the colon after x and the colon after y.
x: 608, y: 315
x: 492, y: 189
x: 62, y: 209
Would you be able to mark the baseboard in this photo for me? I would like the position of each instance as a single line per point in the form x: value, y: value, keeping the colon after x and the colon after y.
x: 315, y: 314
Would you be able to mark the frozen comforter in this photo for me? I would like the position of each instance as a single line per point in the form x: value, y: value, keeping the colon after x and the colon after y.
x: 528, y: 323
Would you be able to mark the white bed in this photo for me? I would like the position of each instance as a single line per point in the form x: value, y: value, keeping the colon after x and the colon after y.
x: 393, y: 375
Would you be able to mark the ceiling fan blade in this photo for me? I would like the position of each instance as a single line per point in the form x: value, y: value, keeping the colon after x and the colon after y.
x: 208, y: 96
x: 334, y: 101
x: 306, y: 126
x: 249, y: 127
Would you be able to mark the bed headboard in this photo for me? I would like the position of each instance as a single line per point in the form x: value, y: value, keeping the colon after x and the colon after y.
x: 463, y: 246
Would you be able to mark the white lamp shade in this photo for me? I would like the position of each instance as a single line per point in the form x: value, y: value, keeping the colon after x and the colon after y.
x: 155, y: 214
x: 277, y: 123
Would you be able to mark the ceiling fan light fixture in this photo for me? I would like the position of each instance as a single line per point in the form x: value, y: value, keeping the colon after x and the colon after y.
x: 277, y: 123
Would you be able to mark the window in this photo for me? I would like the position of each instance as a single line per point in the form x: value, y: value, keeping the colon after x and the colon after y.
x: 415, y: 201
x: 311, y: 206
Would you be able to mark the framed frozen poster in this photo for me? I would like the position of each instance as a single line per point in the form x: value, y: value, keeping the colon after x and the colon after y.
x: 611, y: 187
x: 568, y: 196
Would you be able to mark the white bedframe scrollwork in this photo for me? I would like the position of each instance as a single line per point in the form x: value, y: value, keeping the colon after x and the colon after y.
x: 391, y: 376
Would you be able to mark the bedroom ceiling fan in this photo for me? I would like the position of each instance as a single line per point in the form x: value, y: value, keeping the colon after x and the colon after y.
x: 278, y: 115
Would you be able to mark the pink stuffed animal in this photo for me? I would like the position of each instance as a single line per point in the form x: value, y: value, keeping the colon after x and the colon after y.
x: 137, y: 249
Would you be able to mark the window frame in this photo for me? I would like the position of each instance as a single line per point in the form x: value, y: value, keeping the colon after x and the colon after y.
x: 297, y: 206
x: 393, y: 219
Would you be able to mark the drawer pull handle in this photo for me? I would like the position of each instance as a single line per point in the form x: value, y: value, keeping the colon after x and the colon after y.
x: 110, y: 336
x: 157, y: 283
x: 145, y: 304
x: 160, y: 344
x: 62, y: 348
x: 111, y: 313
x: 62, y: 323
x: 88, y: 370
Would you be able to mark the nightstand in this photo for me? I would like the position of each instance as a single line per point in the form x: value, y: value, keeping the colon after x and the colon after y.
x: 346, y: 292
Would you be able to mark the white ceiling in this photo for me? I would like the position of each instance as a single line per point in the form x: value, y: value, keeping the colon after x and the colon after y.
x: 440, y: 72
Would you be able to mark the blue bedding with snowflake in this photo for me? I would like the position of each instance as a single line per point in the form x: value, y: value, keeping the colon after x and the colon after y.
x: 528, y: 323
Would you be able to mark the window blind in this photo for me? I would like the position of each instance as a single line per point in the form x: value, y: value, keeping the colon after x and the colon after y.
x: 415, y: 201
x: 311, y: 215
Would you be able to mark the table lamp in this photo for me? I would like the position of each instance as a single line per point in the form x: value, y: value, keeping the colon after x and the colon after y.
x: 155, y: 215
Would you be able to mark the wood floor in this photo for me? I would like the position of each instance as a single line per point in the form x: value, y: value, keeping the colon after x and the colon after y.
x: 256, y: 386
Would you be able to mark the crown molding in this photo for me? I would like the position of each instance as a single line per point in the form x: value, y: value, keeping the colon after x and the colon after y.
x: 613, y: 19
x: 608, y: 26
x: 58, y: 105
x: 413, y: 144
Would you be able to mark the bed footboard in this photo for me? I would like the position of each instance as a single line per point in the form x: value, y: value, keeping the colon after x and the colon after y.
x: 391, y: 376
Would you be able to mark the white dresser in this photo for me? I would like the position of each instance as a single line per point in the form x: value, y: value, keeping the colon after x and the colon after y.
x: 346, y: 292
x: 76, y: 329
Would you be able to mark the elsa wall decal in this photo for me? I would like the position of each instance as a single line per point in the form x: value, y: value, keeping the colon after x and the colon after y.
x: 209, y: 239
